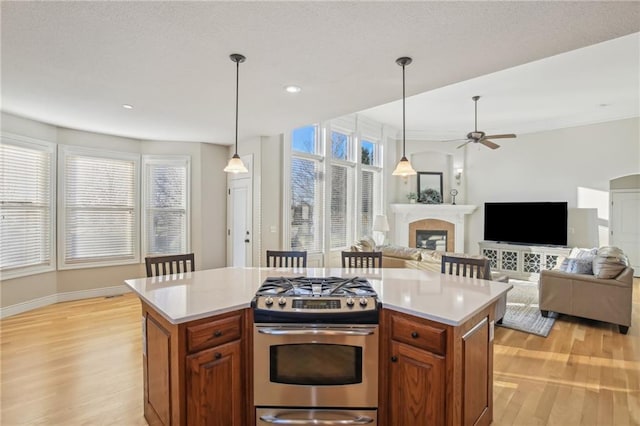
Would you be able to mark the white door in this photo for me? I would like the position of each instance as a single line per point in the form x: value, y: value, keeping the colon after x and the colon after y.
x: 625, y: 225
x: 240, y: 224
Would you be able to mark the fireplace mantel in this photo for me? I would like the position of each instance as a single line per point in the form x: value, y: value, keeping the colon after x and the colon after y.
x: 404, y: 214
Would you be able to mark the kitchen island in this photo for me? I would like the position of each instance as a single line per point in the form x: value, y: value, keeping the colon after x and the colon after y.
x: 435, y: 352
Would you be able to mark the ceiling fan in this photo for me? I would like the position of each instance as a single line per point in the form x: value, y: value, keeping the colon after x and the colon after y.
x: 479, y: 137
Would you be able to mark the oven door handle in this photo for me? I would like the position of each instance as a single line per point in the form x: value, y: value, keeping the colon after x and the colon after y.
x: 360, y: 420
x: 314, y: 332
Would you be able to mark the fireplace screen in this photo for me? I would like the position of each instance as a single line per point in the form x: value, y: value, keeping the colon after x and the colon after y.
x: 432, y: 239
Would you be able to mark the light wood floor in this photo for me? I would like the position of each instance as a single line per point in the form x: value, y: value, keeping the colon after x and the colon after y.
x: 79, y: 363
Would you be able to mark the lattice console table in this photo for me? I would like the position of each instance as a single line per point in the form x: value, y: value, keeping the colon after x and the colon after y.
x: 521, y: 261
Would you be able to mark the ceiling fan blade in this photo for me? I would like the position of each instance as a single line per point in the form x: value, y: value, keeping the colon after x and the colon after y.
x: 489, y: 144
x: 507, y: 135
x: 470, y: 140
x: 455, y: 140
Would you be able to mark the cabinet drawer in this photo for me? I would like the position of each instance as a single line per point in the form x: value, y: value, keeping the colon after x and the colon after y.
x: 213, y: 333
x: 423, y: 336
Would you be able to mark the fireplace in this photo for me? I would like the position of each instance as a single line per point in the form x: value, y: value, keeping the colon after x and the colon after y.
x: 435, y: 229
x: 410, y: 218
x: 431, y: 239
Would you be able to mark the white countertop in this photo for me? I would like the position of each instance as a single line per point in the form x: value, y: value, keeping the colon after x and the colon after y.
x: 443, y: 298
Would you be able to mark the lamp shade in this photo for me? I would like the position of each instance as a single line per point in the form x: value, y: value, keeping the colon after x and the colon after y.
x: 380, y: 223
x: 404, y: 168
x: 235, y: 165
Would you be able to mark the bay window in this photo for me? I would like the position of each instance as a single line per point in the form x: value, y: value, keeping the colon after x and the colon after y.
x: 27, y: 206
x: 98, y: 208
x: 166, y: 188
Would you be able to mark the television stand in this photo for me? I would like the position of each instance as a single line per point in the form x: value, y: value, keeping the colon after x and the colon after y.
x: 521, y: 261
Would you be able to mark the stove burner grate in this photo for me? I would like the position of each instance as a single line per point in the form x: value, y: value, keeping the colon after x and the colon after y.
x: 316, y: 287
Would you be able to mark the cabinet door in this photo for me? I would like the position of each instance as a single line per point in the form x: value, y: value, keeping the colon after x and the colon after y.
x: 157, y: 389
x: 477, y: 356
x: 416, y: 387
x: 214, y: 386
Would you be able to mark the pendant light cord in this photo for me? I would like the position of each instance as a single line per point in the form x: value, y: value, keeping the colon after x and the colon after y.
x: 237, y: 91
x: 403, y: 119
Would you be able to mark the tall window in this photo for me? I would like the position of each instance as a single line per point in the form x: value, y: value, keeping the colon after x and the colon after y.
x: 27, y: 213
x: 306, y: 190
x: 99, y: 213
x: 370, y: 184
x: 166, y: 201
x: 329, y: 214
x: 342, y: 190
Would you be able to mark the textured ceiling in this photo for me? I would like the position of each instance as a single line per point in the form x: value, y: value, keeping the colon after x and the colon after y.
x: 74, y: 64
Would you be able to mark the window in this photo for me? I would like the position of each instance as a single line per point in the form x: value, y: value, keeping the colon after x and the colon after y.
x: 341, y: 206
x: 368, y: 155
x: 27, y: 213
x: 353, y: 186
x: 306, y: 190
x: 370, y: 185
x: 98, y: 208
x: 166, y: 205
x: 340, y: 144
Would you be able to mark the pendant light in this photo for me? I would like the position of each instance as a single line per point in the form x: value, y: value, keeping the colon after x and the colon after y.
x: 403, y: 168
x: 235, y: 164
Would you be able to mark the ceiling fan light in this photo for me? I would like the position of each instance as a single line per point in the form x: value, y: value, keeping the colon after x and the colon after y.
x: 404, y: 168
x: 235, y: 165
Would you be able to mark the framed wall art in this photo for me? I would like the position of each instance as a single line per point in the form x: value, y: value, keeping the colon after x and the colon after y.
x: 430, y: 187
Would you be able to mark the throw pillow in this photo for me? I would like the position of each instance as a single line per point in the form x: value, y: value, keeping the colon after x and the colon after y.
x: 609, y: 262
x: 583, y: 253
x: 365, y: 244
x: 580, y: 266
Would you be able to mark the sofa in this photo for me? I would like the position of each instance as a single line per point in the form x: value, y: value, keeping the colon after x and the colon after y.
x: 596, y: 284
x: 425, y: 259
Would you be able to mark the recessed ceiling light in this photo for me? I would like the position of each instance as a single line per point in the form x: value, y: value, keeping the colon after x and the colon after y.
x: 127, y: 106
x: 604, y: 105
x: 292, y: 89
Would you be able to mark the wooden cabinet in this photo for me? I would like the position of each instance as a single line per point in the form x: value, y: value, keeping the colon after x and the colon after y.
x: 416, y: 386
x: 436, y: 374
x: 196, y: 373
x: 214, y: 386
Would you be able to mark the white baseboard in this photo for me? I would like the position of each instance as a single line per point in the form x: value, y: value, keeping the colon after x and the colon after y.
x: 19, y: 308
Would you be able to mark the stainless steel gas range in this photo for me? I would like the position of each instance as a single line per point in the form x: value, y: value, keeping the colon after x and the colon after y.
x: 316, y: 351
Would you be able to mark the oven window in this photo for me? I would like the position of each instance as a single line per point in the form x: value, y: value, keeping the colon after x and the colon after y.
x: 316, y: 364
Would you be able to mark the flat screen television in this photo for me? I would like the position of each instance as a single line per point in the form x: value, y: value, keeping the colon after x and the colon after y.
x: 531, y: 223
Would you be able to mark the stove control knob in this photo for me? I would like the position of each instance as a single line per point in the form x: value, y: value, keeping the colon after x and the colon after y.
x: 350, y: 301
x: 363, y: 301
x: 282, y: 301
x: 268, y: 301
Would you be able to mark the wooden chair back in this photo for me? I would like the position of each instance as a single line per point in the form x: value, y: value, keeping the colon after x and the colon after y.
x: 287, y: 259
x: 362, y: 259
x: 172, y: 264
x: 465, y: 266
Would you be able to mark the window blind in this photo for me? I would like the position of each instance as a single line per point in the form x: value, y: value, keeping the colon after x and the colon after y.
x: 367, y: 197
x: 166, y: 189
x: 339, y: 206
x: 306, y: 205
x: 99, y: 209
x: 26, y: 216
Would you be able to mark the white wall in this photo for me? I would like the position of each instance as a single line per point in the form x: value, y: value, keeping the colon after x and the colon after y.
x: 573, y: 165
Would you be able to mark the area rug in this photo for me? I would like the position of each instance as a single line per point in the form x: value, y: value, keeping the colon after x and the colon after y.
x: 523, y: 312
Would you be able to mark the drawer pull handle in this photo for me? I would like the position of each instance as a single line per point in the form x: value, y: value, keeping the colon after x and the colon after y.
x: 394, y: 359
x: 414, y: 334
x: 217, y: 333
x: 217, y: 355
